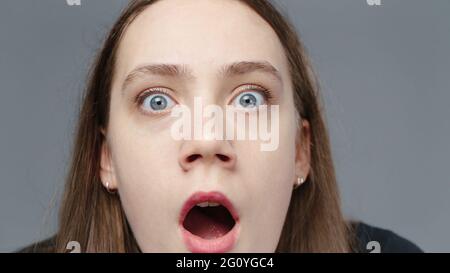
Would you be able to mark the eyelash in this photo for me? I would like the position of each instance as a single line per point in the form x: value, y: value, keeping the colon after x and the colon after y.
x: 267, y: 93
x: 150, y: 91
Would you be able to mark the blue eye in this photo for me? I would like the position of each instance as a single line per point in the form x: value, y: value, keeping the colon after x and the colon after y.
x: 157, y: 102
x: 249, y: 100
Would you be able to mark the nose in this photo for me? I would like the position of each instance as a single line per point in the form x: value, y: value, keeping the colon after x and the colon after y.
x: 194, y: 152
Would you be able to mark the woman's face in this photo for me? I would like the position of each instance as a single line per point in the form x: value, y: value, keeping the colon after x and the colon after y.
x: 223, y: 53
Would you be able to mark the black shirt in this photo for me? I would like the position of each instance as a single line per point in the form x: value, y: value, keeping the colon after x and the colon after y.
x: 389, y: 242
x: 368, y: 239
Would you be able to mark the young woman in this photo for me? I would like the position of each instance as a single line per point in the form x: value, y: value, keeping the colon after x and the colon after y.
x: 133, y: 187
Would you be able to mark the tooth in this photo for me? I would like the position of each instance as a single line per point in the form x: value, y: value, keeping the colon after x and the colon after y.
x: 203, y: 204
x: 212, y: 204
x: 208, y: 204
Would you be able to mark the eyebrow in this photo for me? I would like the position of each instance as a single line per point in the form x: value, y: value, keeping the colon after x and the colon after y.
x: 181, y: 70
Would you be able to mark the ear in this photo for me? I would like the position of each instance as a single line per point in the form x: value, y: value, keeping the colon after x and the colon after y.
x: 303, y: 156
x: 107, y: 174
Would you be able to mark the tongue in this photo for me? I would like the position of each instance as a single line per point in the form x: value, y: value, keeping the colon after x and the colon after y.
x: 209, y: 222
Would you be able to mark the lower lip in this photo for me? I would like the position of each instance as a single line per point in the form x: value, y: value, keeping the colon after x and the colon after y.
x: 222, y: 244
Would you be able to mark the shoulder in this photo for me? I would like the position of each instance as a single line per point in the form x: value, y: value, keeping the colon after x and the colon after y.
x: 45, y: 246
x: 388, y: 241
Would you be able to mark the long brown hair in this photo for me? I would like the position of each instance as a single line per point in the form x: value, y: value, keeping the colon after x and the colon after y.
x: 95, y: 218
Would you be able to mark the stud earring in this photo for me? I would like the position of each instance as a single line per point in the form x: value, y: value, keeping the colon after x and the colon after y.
x: 111, y: 191
x: 299, y: 181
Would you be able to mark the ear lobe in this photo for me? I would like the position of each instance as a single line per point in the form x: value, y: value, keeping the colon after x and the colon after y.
x: 107, y: 174
x: 303, y: 156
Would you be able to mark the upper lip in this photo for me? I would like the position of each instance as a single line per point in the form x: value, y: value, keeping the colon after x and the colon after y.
x: 214, y: 196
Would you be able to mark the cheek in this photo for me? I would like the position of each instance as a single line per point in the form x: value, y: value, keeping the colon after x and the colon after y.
x: 142, y: 164
x: 275, y: 169
x: 142, y: 151
x: 269, y: 178
x: 144, y: 158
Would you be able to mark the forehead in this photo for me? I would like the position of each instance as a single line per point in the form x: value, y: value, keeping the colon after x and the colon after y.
x: 203, y: 34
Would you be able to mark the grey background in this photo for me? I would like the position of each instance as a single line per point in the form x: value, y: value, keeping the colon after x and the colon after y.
x: 385, y: 83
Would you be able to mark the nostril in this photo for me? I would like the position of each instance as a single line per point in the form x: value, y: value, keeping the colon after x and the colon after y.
x: 192, y: 158
x: 222, y: 157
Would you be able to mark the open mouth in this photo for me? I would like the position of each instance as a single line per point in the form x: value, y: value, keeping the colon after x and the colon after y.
x: 209, y: 223
x: 209, y: 220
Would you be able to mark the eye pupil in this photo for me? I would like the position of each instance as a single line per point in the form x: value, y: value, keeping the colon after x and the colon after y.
x: 158, y: 103
x: 248, y: 100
